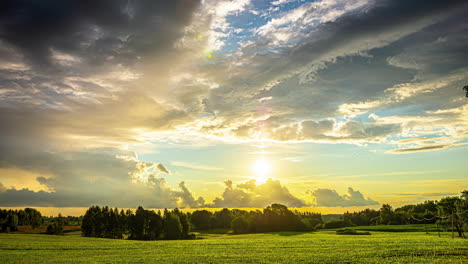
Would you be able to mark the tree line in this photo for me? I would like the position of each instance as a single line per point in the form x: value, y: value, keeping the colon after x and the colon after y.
x: 174, y: 224
x: 11, y: 219
x: 141, y: 225
x: 446, y: 212
x: 275, y: 217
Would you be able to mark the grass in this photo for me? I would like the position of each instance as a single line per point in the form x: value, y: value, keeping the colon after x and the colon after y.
x: 280, y: 247
x: 396, y: 228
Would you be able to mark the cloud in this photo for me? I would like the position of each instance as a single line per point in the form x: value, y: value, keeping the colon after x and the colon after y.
x: 281, y: 2
x: 89, y: 64
x: 348, y: 57
x: 107, y: 28
x: 101, y: 176
x: 107, y: 86
x: 220, y: 28
x: 291, y: 25
x: 187, y: 197
x: 330, y: 198
x: 81, y: 82
x: 427, y: 148
x: 194, y: 166
x: 162, y: 168
x: 249, y: 194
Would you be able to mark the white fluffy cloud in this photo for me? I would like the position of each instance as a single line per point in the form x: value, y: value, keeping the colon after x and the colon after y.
x: 249, y: 194
x: 330, y: 198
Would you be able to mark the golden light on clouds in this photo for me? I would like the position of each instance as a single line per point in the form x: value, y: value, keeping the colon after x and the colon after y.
x: 19, y: 179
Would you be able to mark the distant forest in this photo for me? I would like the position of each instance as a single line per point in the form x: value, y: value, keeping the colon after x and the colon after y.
x: 143, y: 224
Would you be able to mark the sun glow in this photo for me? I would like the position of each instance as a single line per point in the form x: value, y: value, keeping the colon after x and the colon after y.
x: 262, y: 168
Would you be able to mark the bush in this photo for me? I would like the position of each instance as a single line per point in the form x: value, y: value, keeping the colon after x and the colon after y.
x: 350, y: 232
x: 335, y: 224
x: 240, y: 225
x: 56, y: 228
x: 309, y: 224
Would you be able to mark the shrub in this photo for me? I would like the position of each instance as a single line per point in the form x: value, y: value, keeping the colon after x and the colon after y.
x: 335, y: 224
x: 350, y: 232
x: 240, y: 225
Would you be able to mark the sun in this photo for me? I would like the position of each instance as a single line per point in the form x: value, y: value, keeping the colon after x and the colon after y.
x: 262, y: 168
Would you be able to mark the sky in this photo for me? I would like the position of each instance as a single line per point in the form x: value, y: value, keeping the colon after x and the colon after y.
x: 215, y: 103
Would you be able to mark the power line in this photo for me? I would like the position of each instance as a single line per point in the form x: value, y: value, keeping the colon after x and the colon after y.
x: 438, y: 216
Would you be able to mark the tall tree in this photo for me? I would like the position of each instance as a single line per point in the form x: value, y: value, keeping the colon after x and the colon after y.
x: 201, y: 219
x: 447, y: 207
x: 172, y: 226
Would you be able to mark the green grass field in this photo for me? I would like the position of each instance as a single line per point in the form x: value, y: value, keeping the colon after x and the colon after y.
x: 397, y: 228
x: 318, y: 247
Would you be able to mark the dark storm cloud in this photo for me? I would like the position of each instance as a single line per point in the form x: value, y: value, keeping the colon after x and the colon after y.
x: 374, y: 26
x: 95, y: 29
x: 75, y: 60
x: 333, y: 63
x: 330, y: 198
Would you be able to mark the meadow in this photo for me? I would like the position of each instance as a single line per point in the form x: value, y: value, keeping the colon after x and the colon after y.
x: 281, y: 247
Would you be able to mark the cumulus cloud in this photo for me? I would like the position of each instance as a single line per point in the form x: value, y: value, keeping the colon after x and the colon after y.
x: 249, y: 194
x: 103, y: 176
x: 162, y: 168
x: 118, y: 29
x: 330, y: 198
x: 187, y: 197
x: 349, y: 76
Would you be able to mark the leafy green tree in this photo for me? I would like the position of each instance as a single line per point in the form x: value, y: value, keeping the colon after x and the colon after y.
x: 138, y: 224
x: 448, y: 208
x: 184, y: 221
x: 92, y: 224
x: 172, y: 226
x: 155, y: 225
x: 386, y: 215
x: 223, y: 218
x: 34, y: 217
x: 122, y: 224
x: 462, y: 209
x: 56, y: 227
x: 240, y: 225
x: 201, y: 219
x: 12, y: 222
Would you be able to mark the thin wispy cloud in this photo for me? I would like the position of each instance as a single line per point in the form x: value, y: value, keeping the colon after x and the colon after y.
x: 195, y: 166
